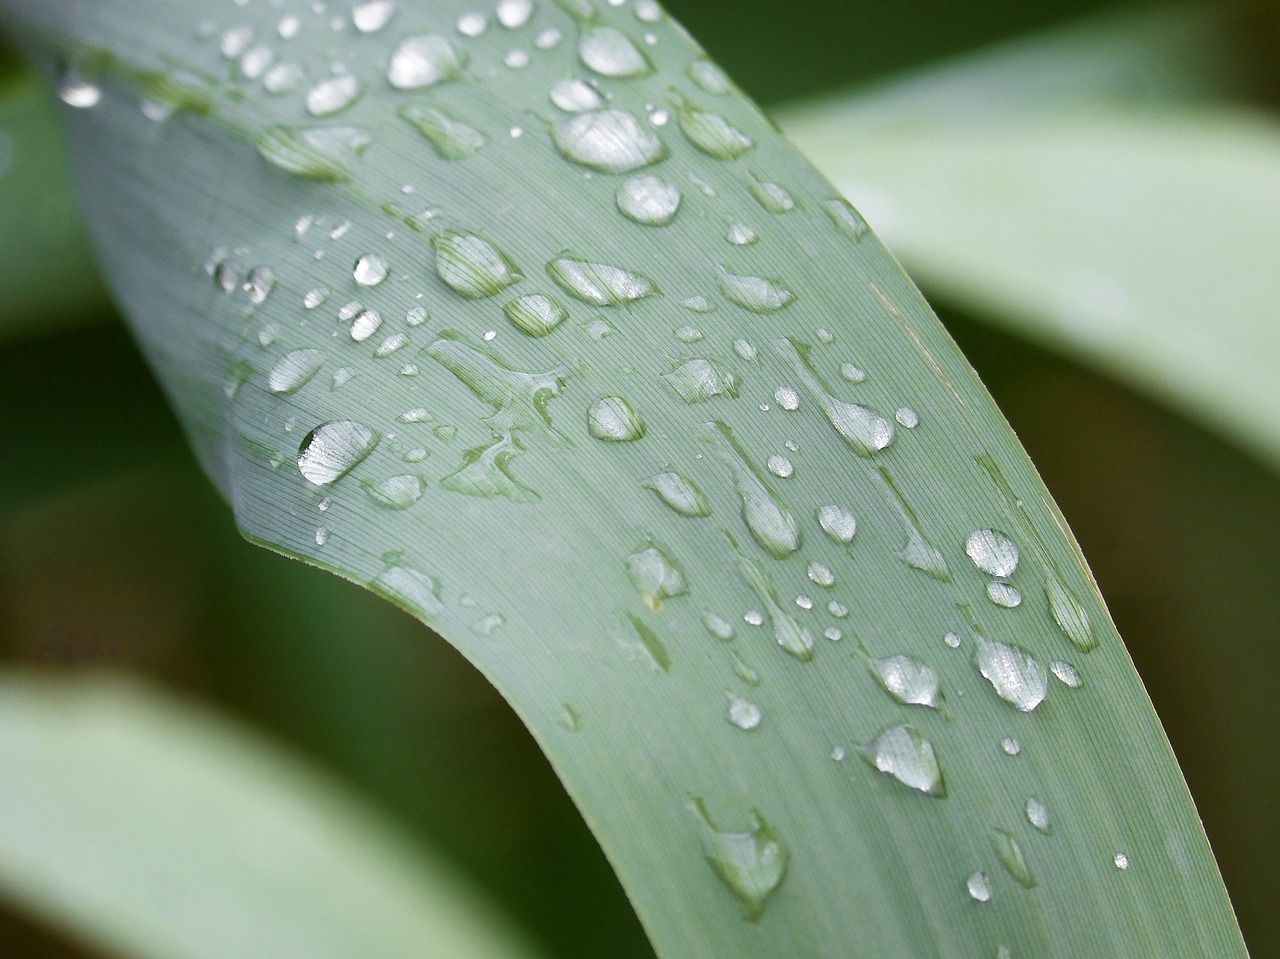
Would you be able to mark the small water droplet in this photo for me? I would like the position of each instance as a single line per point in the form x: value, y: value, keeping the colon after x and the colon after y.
x: 416, y: 316
x: 837, y: 609
x: 837, y: 754
x: 332, y: 449
x: 804, y: 602
x: 655, y: 575
x: 547, y: 38
x: 315, y: 297
x: 365, y: 325
x: 1016, y: 675
x: 253, y: 65
x: 293, y: 370
x: 821, y: 575
x: 397, y: 492
x: 903, y: 753
x: 745, y: 350
x: 979, y: 886
x: 787, y: 398
x: 575, y: 96
x: 1003, y: 594
x: 259, y: 283
x: 641, y: 644
x: 863, y: 430
x: 718, y: 627
x: 472, y: 24
x: 370, y: 16
x: 471, y: 265
x: 698, y: 380
x: 611, y: 141
x: 1038, y: 816
x: 751, y: 863
x: 648, y: 11
x: 1121, y: 860
x: 611, y: 53
x: 648, y: 200
x: 535, y: 314
x: 396, y: 341
x: 423, y: 61
x: 709, y: 77
x: 833, y: 634
x: 235, y: 41
x: 283, y: 78
x: 1010, y: 746
x: 993, y: 552
x: 516, y: 59
x: 613, y: 419
x: 599, y: 283
x: 907, y: 681
x: 780, y: 466
x: 514, y: 14
x: 772, y: 196
x: 755, y: 293
x: 743, y: 713
x: 952, y: 640
x: 1010, y: 855
x: 852, y: 373
x: 753, y: 617
x: 838, y: 523
x: 334, y: 95
x: 1070, y: 616
x: 907, y: 417
x: 679, y: 494
x: 740, y: 234
x: 370, y: 270
x: 712, y: 133
x: 322, y: 535
x: 1064, y: 672
x: 450, y: 138
x: 416, y: 590
x: 75, y: 91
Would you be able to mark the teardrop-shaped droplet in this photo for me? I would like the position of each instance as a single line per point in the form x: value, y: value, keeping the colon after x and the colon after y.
x: 847, y: 220
x: 713, y: 134
x: 599, y: 283
x: 1004, y: 594
x: 293, y: 370
x: 414, y: 589
x: 1066, y: 674
x: 332, y: 449
x: 322, y: 153
x: 334, y: 95
x: 863, y: 430
x: 611, y: 141
x: 771, y: 524
x: 698, y: 380
x: 370, y: 270
x: 787, y: 633
x: 423, y: 61
x: 907, y: 681
x: 1070, y: 616
x: 709, y: 77
x: 772, y: 196
x: 397, y: 492
x: 993, y: 552
x: 451, y: 139
x: 1010, y: 855
x: 903, y: 753
x: 1038, y: 816
x: 613, y: 419
x: 743, y: 713
x: 648, y: 200
x: 576, y: 96
x: 979, y: 886
x: 611, y: 53
x: 535, y: 313
x: 838, y: 523
x: 655, y: 575
x: 751, y: 863
x: 679, y: 494
x: 1016, y: 675
x: 755, y: 293
x: 471, y: 265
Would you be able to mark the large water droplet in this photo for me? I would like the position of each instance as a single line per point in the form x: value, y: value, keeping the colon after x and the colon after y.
x: 655, y: 576
x: 787, y: 633
x: 370, y: 16
x: 648, y: 200
x: 698, y: 380
x: 599, y: 283
x: 334, y: 95
x: 613, y: 419
x: 1070, y: 616
x: 423, y: 61
x: 903, y: 753
x: 1038, y: 816
x: 320, y: 153
x: 370, y: 270
x: 838, y: 523
x: 1016, y: 675
x: 743, y: 713
x: 770, y: 523
x: 907, y: 681
x: 611, y: 141
x: 611, y: 53
x: 332, y: 449
x: 979, y: 886
x: 752, y: 863
x: 471, y: 265
x: 293, y: 370
x: 451, y: 139
x: 397, y: 492
x: 486, y: 472
x: 755, y: 293
x: 992, y: 551
x: 679, y: 493
x: 712, y: 133
x: 1010, y: 855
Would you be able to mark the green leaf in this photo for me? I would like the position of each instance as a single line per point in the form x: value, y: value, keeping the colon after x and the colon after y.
x: 1095, y: 191
x: 707, y: 660
x: 151, y: 828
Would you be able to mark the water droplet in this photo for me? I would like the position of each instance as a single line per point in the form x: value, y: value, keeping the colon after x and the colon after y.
x: 833, y: 634
x: 519, y: 397
x: 787, y: 633
x: 847, y: 220
x: 952, y: 640
x: 283, y: 78
x: 1003, y: 594
x: 903, y: 753
x: 1016, y: 675
x: 698, y: 380
x: 471, y: 265
x: 745, y: 350
x: 75, y: 91
x: 1066, y: 673
x: 253, y: 65
x: 771, y: 524
x: 743, y: 713
x: 536, y: 314
x: 838, y: 523
x: 753, y: 617
x: 370, y: 270
x: 611, y: 141
x: 1010, y: 855
x: 349, y: 310
x: 486, y: 472
x: 418, y: 591
x: 740, y: 234
x: 416, y: 316
x: 319, y: 153
x: 655, y: 576
x: 259, y: 283
x: 852, y: 373
x: 472, y: 24
x: 837, y: 754
x: 487, y: 625
x: 804, y: 602
x: 679, y: 494
x: 648, y: 200
x: 451, y: 139
x: 547, y: 38
x: 780, y: 466
x: 712, y: 133
x: 992, y: 551
x: 576, y: 96
x: 395, y: 341
x: 1038, y: 816
x: 772, y: 196
x: 688, y: 334
x: 754, y: 293
x: 513, y: 14
x: 979, y: 886
x: 862, y: 429
x: 907, y: 681
x: 397, y: 492
x: 709, y: 77
x: 599, y: 283
x: 642, y: 644
x: 322, y: 535
x: 907, y: 417
x: 611, y: 53
x: 718, y: 627
x: 293, y: 370
x: 744, y: 672
x: 570, y: 719
x: 1121, y: 860
x: 332, y: 449
x: 1010, y: 746
x: 787, y: 398
x: 235, y: 41
x: 333, y: 95
x: 613, y: 419
x: 752, y: 863
x: 365, y: 325
x: 370, y: 16
x: 423, y: 61
x: 315, y: 297
x: 1070, y: 616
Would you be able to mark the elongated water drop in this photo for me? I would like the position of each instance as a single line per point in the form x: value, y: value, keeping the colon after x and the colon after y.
x: 679, y: 494
x: 751, y: 863
x: 332, y: 449
x: 611, y: 141
x: 611, y: 53
x: 471, y: 265
x: 907, y: 681
x: 1065, y: 673
x: 696, y: 381
x: 712, y: 133
x: 647, y: 199
x: 847, y: 220
x: 415, y: 589
x: 397, y: 492
x: 821, y: 575
x: 1004, y: 594
x: 771, y: 524
x: 486, y: 472
x: 903, y: 753
x: 709, y: 77
x: 1010, y: 855
x: 1038, y: 816
x: 576, y: 96
x: 655, y: 575
x: 755, y: 293
x: 293, y: 370
x: 993, y: 552
x: 787, y: 633
x: 424, y: 61
x: 718, y: 626
x: 519, y: 397
x: 772, y: 196
x: 613, y: 419
x: 838, y: 523
x: 322, y: 153
x: 599, y: 283
x: 1070, y: 616
x: 863, y: 430
x: 451, y: 139
x: 1016, y: 675
x: 535, y: 313
x: 334, y: 95
x: 642, y: 644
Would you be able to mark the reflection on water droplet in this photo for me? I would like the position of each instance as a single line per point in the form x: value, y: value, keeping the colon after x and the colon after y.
x: 75, y: 91
x: 611, y: 53
x: 397, y: 492
x: 450, y: 138
x: 1038, y: 816
x: 293, y: 370
x: 1066, y: 673
x: 1016, y: 675
x: 780, y: 466
x: 790, y: 635
x: 679, y: 494
x: 979, y: 887
x: 1003, y: 594
x: 333, y: 95
x: 752, y: 863
x: 1121, y: 860
x: 599, y: 283
x: 424, y: 61
x: 1070, y: 616
x: 698, y: 380
x: 535, y: 313
x: 837, y: 523
x: 1010, y: 855
x: 907, y: 681
x: 743, y: 713
x: 417, y: 590
x: 992, y: 551
x: 370, y: 270
x: 613, y: 419
x: 1010, y: 746
x: 329, y: 451
x: 755, y: 293
x: 903, y: 753
x: 611, y: 141
x: 471, y: 265
x: 655, y: 575
x: 365, y: 325
x: 648, y: 200
x: 709, y: 77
